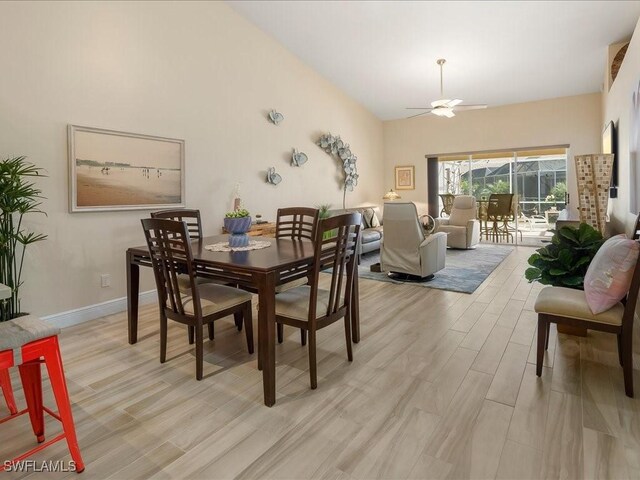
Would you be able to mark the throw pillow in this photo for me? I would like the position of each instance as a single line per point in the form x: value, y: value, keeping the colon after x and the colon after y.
x: 370, y: 218
x: 609, y: 274
x: 375, y: 221
x: 367, y: 213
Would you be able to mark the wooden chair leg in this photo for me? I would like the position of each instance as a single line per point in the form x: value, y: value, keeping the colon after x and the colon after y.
x: 280, y: 332
x: 248, y: 326
x: 627, y: 364
x: 191, y: 334
x: 199, y: 352
x: 303, y: 337
x: 212, y: 333
x: 542, y: 329
x: 313, y: 367
x: 347, y: 332
x: 620, y: 359
x: 546, y: 336
x: 237, y: 318
x: 163, y: 338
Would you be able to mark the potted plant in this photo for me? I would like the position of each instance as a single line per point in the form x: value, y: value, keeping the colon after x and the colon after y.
x: 323, y: 212
x: 565, y: 261
x: 18, y: 197
x: 238, y: 223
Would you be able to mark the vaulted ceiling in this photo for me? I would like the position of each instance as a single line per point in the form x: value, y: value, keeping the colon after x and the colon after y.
x: 383, y: 53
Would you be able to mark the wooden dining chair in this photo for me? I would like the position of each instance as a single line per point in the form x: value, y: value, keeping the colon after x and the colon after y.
x: 568, y: 306
x: 499, y: 214
x: 194, y: 225
x: 171, y: 255
x: 636, y: 229
x: 296, y: 223
x: 311, y: 308
x: 447, y: 203
x: 190, y: 216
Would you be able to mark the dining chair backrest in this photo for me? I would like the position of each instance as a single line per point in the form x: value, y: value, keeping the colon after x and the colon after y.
x: 191, y: 217
x: 636, y: 229
x: 500, y: 205
x: 297, y: 223
x: 169, y: 246
x: 338, y: 252
x: 447, y: 202
x: 631, y: 299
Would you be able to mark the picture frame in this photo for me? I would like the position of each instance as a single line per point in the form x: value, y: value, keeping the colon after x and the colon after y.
x: 405, y: 177
x: 111, y: 170
x: 610, y: 145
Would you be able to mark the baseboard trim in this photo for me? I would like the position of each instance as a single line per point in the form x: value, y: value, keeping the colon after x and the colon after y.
x: 92, y: 312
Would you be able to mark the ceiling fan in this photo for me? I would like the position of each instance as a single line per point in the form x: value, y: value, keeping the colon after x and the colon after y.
x: 444, y: 107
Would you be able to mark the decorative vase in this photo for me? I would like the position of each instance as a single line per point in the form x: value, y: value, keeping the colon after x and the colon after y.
x: 238, y: 228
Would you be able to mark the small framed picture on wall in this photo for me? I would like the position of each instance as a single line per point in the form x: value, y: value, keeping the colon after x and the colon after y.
x: 406, y: 178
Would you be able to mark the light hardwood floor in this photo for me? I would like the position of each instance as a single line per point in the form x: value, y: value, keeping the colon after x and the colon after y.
x: 443, y: 385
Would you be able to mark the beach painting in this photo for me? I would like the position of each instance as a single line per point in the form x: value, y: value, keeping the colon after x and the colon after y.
x: 112, y: 170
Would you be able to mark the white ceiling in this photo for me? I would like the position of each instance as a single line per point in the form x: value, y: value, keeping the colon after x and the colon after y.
x: 384, y: 53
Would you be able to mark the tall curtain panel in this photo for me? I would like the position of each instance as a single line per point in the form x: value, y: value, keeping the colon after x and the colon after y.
x: 594, y: 179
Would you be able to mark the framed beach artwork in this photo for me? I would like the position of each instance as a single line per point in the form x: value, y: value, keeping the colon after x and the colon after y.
x: 112, y: 170
x: 405, y: 178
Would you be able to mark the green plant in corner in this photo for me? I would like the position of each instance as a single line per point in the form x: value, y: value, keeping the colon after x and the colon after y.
x: 18, y: 197
x: 565, y: 261
x: 323, y: 212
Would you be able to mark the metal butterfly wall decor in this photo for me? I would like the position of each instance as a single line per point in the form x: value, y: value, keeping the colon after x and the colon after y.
x: 272, y: 177
x: 298, y: 158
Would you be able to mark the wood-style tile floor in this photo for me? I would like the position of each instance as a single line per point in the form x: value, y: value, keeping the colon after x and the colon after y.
x: 443, y: 385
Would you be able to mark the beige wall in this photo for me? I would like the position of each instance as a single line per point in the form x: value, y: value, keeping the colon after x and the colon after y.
x: 617, y: 108
x: 570, y: 120
x: 196, y: 71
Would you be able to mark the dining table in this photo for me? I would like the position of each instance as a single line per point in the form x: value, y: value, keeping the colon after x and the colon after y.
x: 283, y: 261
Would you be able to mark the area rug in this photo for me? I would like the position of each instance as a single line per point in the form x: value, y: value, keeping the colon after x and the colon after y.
x: 464, y: 270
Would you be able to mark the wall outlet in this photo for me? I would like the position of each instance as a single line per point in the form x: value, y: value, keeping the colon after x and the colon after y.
x: 105, y: 280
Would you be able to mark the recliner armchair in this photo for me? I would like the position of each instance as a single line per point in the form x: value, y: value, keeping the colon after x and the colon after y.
x: 462, y: 226
x: 405, y: 247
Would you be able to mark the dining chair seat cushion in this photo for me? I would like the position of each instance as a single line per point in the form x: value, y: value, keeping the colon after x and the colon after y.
x: 184, y: 284
x: 609, y: 274
x: 292, y: 284
x: 214, y: 298
x: 22, y: 330
x: 568, y: 302
x: 295, y: 303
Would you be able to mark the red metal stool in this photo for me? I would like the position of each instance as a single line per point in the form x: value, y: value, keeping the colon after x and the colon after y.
x: 27, y: 342
x: 7, y: 391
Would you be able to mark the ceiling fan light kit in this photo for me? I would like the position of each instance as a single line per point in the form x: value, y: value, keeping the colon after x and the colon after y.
x: 444, y: 107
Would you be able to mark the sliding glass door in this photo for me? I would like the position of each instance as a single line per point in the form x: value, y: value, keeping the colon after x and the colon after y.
x: 537, y: 179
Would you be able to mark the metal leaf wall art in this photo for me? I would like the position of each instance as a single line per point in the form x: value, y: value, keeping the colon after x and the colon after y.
x: 335, y: 146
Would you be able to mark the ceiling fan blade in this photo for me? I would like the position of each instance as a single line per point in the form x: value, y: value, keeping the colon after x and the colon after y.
x: 440, y: 103
x: 453, y: 103
x: 448, y: 113
x: 460, y: 108
x: 419, y: 114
